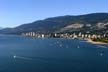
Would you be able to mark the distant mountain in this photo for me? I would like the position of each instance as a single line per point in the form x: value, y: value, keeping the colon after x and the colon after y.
x: 1, y: 28
x: 93, y: 23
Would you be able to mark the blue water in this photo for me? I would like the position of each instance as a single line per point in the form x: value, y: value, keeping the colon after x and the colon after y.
x: 51, y: 55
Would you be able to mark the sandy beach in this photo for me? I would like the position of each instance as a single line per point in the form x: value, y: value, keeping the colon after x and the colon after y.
x: 93, y: 42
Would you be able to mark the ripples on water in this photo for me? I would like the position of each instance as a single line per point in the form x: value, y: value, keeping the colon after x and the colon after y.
x: 22, y: 54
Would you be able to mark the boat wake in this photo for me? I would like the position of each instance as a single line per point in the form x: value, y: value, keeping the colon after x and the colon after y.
x: 20, y: 57
x: 27, y: 58
x: 101, y: 46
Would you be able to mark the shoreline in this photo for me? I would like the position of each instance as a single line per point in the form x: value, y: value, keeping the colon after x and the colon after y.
x: 94, y: 42
x: 86, y: 39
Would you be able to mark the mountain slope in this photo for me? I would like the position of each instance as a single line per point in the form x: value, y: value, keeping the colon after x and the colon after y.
x: 95, y: 23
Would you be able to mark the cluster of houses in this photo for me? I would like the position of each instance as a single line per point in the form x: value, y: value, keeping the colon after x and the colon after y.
x: 65, y: 35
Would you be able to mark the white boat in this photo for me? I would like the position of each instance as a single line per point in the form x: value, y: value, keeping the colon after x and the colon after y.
x: 14, y: 56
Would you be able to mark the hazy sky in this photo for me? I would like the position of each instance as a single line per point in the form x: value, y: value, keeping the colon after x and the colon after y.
x: 17, y: 12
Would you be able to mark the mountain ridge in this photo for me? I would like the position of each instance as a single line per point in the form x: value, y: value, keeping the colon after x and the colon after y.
x: 94, y: 22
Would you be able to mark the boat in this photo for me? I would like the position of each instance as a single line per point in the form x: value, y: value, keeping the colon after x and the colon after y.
x: 14, y: 56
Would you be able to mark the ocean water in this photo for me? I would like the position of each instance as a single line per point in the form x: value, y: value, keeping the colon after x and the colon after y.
x: 22, y: 54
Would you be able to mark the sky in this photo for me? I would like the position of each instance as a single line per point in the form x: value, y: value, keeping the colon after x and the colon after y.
x: 16, y: 12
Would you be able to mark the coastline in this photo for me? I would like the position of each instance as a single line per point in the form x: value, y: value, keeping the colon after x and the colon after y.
x: 86, y: 39
x: 94, y: 42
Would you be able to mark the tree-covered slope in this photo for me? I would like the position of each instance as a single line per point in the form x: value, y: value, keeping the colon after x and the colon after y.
x: 95, y: 22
